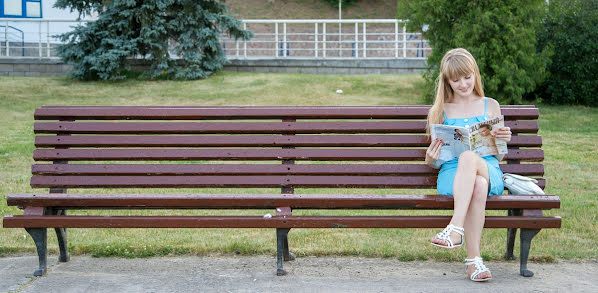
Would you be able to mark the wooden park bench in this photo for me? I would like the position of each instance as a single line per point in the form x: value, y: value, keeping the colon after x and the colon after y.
x: 256, y: 147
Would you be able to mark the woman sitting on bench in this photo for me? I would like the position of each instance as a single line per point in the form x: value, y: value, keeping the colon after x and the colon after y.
x: 460, y: 101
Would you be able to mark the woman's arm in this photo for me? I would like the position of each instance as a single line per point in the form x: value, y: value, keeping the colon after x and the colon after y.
x: 503, y: 133
x: 433, y: 153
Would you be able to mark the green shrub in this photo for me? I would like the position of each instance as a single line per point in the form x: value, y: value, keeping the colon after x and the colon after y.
x: 571, y: 30
x: 147, y: 29
x: 501, y: 35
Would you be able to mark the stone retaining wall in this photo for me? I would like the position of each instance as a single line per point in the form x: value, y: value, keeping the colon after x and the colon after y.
x: 55, y: 66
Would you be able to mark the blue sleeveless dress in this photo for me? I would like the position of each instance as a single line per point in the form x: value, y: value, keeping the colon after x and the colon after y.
x: 447, y: 172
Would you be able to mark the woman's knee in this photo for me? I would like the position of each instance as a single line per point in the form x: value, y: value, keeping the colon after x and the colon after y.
x: 468, y: 156
x: 480, y: 189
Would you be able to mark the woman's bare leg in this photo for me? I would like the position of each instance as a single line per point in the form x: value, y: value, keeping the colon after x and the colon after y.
x: 474, y: 222
x: 471, y: 165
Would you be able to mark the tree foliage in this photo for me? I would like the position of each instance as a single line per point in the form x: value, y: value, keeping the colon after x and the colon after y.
x: 501, y: 35
x: 153, y: 30
x: 571, y: 30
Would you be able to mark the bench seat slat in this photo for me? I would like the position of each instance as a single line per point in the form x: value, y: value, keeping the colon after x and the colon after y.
x: 258, y: 169
x: 260, y: 112
x: 237, y: 181
x: 254, y: 154
x: 254, y: 141
x: 295, y: 201
x: 249, y: 127
x: 274, y: 222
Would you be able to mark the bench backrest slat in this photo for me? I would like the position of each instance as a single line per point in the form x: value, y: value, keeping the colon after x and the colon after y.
x: 224, y: 147
x: 258, y: 169
x: 253, y: 141
x: 198, y: 113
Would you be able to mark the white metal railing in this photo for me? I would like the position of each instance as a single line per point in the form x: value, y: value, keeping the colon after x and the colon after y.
x: 273, y: 39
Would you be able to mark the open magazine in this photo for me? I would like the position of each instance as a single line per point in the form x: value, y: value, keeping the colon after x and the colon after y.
x: 477, y: 137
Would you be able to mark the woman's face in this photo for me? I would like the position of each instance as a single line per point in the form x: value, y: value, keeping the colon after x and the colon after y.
x: 484, y: 131
x: 463, y: 86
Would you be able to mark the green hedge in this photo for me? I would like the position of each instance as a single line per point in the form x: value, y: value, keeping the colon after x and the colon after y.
x: 501, y: 35
x: 571, y: 31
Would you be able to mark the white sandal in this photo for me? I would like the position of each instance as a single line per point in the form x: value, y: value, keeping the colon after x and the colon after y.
x: 479, y: 268
x: 445, y: 236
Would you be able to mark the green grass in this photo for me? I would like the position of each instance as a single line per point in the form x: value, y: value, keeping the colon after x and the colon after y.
x: 569, y: 135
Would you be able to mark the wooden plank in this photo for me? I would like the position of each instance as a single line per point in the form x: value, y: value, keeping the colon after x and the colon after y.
x: 270, y: 201
x: 254, y: 141
x: 255, y: 112
x: 249, y: 127
x: 237, y: 181
x: 232, y: 181
x: 259, y: 169
x: 254, y: 154
x: 261, y: 222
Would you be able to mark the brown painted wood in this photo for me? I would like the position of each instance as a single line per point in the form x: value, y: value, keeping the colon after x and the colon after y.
x: 233, y: 181
x: 294, y: 112
x: 254, y: 141
x: 254, y: 154
x: 268, y: 201
x: 249, y: 127
x: 274, y: 222
x: 259, y: 169
x: 237, y: 181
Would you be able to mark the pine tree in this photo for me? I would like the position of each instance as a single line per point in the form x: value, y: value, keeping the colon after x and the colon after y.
x: 146, y: 29
x: 501, y: 35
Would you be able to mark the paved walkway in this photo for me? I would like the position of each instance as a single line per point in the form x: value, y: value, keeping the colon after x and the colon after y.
x: 306, y: 274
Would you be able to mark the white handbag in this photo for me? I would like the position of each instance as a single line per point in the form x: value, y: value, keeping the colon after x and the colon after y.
x: 518, y: 184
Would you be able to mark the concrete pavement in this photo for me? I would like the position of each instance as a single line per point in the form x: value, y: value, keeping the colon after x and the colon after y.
x: 306, y: 274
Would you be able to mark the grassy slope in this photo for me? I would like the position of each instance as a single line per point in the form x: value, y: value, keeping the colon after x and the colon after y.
x: 310, y: 9
x: 569, y: 146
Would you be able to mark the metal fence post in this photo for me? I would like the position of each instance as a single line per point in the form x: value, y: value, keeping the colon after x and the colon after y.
x: 40, y: 39
x: 356, y: 40
x: 397, y: 39
x: 48, y: 39
x: 364, y: 40
x: 276, y: 40
x: 316, y: 40
x: 244, y: 42
x: 284, y: 40
x: 324, y: 40
x: 404, y: 40
x: 6, y: 40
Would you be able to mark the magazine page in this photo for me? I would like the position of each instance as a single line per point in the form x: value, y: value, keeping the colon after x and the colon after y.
x: 455, y: 140
x: 482, y: 140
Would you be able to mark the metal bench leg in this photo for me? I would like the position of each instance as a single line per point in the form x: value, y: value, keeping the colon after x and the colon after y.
x: 282, y: 250
x: 287, y: 255
x: 40, y: 238
x: 62, y: 240
x: 526, y: 236
x: 511, y: 236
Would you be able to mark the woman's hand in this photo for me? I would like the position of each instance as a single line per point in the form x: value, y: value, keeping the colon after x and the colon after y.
x: 433, y: 152
x: 503, y: 133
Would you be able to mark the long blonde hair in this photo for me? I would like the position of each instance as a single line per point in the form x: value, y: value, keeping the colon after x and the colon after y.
x: 455, y: 64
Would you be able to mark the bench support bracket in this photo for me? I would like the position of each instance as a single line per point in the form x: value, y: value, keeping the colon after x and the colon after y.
x: 39, y: 236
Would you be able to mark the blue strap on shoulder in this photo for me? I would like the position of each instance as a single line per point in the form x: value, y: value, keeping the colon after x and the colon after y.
x: 485, y: 107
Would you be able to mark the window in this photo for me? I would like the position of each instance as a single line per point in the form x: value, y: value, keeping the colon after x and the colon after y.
x: 21, y: 8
